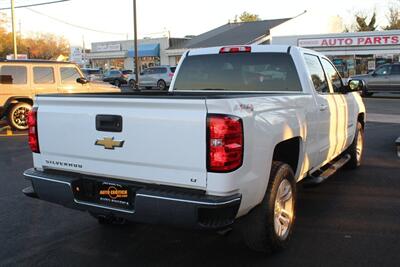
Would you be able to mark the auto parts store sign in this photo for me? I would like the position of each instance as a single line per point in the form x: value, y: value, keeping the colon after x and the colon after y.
x: 351, y: 41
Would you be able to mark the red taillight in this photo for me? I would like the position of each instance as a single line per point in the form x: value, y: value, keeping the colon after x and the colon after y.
x: 125, y: 76
x: 225, y: 143
x: 170, y: 75
x: 33, y: 131
x: 235, y: 49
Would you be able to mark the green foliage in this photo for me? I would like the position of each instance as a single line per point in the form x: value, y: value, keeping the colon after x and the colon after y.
x: 393, y: 17
x: 40, y: 45
x: 248, y: 17
x: 363, y: 26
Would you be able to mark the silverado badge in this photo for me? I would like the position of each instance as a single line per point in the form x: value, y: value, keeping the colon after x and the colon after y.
x: 109, y: 143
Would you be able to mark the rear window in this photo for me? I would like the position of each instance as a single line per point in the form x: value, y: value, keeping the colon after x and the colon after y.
x: 239, y: 72
x: 13, y: 75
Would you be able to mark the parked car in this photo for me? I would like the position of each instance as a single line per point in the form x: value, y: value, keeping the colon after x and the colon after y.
x: 92, y: 74
x: 238, y: 129
x: 159, y: 77
x: 115, y: 77
x: 385, y: 79
x: 21, y: 80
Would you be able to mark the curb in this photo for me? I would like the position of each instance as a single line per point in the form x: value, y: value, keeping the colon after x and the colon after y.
x: 7, y: 129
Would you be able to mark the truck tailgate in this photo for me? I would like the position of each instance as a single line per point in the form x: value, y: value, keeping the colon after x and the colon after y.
x: 164, y: 140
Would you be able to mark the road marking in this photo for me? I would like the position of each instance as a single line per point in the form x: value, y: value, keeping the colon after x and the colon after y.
x: 387, y: 118
x: 5, y: 135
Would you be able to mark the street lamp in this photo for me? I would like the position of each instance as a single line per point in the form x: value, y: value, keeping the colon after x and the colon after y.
x: 136, y: 46
x: 14, y: 35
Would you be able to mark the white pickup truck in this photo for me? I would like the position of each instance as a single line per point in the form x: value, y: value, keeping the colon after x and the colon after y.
x: 239, y: 126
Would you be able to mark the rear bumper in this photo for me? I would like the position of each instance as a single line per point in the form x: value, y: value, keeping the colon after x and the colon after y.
x: 152, y: 204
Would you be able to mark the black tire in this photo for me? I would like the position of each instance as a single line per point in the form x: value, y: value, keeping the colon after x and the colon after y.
x: 365, y: 93
x: 132, y: 84
x: 18, y: 116
x: 117, y: 83
x: 259, y: 226
x: 354, y: 150
x: 161, y: 85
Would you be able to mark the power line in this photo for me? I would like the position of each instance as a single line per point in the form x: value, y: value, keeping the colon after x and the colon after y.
x: 74, y: 25
x: 38, y: 4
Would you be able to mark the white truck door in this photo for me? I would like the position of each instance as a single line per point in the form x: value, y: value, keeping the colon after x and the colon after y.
x: 318, y: 152
x: 343, y: 109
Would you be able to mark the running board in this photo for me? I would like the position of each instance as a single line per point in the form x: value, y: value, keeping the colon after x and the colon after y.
x: 331, y: 169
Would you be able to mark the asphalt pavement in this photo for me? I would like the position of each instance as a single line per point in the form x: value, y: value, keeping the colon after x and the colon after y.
x: 353, y: 219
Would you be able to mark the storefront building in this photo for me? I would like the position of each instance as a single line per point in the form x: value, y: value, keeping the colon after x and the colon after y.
x: 352, y: 53
x: 120, y: 54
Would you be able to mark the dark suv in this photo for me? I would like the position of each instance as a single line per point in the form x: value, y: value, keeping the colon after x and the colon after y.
x: 386, y: 78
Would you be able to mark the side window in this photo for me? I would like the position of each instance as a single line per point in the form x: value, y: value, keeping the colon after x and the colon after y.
x: 382, y: 70
x: 146, y: 72
x: 43, y: 75
x: 13, y: 75
x: 317, y: 73
x: 395, y: 70
x: 69, y: 74
x: 162, y: 70
x: 333, y: 76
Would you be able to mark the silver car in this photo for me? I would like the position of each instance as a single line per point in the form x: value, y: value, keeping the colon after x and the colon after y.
x: 386, y: 78
x: 159, y: 77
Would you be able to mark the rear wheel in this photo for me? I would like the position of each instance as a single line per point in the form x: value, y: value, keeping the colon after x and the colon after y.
x: 269, y: 226
x: 132, y: 84
x: 18, y: 116
x: 161, y: 85
x: 117, y: 83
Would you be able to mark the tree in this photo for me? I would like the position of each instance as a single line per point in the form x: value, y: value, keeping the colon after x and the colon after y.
x: 393, y: 17
x: 44, y: 46
x: 40, y: 45
x: 363, y: 26
x: 248, y: 17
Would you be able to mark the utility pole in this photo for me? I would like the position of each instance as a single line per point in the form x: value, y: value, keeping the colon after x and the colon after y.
x: 14, y: 34
x: 136, y: 46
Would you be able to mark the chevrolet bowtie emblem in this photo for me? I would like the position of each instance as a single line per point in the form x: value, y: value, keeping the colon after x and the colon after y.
x: 109, y: 143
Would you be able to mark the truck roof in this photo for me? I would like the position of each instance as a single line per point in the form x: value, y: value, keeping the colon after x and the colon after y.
x: 254, y: 49
x: 35, y: 61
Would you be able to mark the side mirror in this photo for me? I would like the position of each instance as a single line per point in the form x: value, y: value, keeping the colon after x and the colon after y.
x: 354, y: 86
x: 82, y: 80
x: 373, y: 73
x: 141, y: 73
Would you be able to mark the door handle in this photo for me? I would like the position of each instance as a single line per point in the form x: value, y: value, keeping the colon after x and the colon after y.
x: 109, y: 123
x: 323, y: 107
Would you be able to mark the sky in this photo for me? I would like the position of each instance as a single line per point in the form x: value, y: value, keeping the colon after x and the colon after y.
x: 180, y: 18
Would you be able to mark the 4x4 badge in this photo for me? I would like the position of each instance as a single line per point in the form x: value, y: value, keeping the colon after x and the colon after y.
x: 109, y: 143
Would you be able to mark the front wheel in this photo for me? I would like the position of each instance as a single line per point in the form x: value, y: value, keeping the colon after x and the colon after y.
x: 356, y: 148
x: 117, y: 83
x: 18, y: 116
x: 269, y: 226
